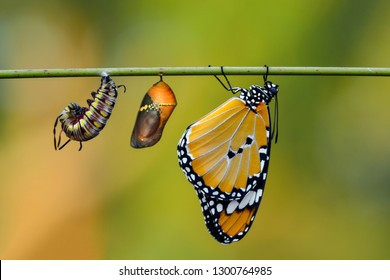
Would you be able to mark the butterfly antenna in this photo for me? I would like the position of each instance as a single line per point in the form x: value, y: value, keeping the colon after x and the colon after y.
x: 275, y: 131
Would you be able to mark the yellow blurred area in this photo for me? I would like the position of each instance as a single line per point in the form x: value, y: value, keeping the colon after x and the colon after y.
x: 327, y: 196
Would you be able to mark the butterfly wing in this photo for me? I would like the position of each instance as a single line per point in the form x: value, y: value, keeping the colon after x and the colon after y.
x: 229, y: 220
x: 224, y: 154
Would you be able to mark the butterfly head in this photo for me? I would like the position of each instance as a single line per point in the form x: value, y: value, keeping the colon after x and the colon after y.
x: 269, y: 91
x: 257, y: 94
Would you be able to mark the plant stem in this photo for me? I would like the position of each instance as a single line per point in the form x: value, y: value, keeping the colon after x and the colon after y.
x: 195, y: 71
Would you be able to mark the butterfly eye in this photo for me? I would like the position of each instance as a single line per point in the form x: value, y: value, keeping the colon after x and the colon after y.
x: 82, y: 123
x: 225, y: 156
x: 153, y: 114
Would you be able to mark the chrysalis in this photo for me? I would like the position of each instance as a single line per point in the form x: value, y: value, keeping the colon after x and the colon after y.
x: 154, y: 112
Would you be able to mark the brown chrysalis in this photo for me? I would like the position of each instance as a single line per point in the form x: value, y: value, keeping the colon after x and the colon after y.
x: 154, y: 112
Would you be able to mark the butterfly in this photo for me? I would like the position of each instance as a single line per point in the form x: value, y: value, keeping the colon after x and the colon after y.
x: 225, y: 156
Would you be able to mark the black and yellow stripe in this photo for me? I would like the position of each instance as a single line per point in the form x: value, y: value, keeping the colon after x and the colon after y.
x: 81, y: 123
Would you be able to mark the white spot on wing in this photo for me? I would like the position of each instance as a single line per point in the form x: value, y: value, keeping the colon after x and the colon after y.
x: 259, y: 193
x: 245, y: 201
x: 231, y: 206
x: 252, y: 199
x: 261, y: 165
x: 262, y: 150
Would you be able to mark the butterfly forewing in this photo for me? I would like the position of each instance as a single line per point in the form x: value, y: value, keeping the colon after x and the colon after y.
x: 220, y: 114
x: 214, y: 132
x: 221, y: 150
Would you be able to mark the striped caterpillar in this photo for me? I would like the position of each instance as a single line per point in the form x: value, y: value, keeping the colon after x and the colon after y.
x: 81, y: 123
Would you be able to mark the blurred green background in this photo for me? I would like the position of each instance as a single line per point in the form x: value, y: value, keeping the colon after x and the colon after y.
x: 327, y: 196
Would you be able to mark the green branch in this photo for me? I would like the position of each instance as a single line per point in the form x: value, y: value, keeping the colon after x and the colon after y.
x: 194, y: 71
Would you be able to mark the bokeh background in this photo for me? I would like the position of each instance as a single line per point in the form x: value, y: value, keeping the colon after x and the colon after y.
x: 327, y: 195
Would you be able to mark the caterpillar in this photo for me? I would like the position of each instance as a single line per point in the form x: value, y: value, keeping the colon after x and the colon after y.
x: 82, y: 124
x: 154, y: 112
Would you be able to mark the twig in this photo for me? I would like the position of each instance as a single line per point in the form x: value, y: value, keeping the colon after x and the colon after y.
x: 194, y: 71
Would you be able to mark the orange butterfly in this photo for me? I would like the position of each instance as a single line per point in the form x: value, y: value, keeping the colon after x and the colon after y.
x: 225, y: 156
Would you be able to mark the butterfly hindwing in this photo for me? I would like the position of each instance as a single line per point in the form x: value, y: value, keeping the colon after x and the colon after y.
x: 229, y: 220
